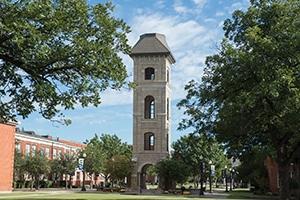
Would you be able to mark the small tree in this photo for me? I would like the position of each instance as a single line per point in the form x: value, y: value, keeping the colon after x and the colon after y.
x: 100, y: 151
x: 118, y: 167
x: 19, y: 169
x: 170, y: 172
x: 36, y: 166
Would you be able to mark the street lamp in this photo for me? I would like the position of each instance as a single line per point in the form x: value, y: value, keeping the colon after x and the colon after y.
x: 226, y: 178
x: 83, y: 189
x: 210, y: 174
x: 201, y: 176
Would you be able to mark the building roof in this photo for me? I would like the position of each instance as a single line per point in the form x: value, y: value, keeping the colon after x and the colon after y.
x: 50, y: 138
x: 152, y: 43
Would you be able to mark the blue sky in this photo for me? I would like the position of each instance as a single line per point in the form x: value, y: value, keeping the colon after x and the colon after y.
x: 193, y: 29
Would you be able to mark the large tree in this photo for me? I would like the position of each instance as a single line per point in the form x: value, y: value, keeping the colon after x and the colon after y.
x: 55, y: 54
x: 250, y: 92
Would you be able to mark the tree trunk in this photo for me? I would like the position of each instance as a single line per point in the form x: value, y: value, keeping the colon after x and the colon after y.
x: 66, y: 180
x: 37, y: 182
x: 284, y: 181
x: 31, y: 183
x: 70, y: 182
x: 283, y: 168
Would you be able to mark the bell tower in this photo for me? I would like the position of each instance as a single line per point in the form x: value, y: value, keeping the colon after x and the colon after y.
x: 152, y: 60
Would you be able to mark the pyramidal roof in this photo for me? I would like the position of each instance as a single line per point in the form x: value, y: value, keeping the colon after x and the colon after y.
x: 152, y: 43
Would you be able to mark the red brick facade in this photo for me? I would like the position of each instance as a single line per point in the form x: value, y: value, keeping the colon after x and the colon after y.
x: 28, y: 142
x: 7, y: 147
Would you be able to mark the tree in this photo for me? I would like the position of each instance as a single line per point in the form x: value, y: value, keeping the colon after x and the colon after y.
x: 190, y: 148
x: 65, y: 165
x: 100, y: 152
x: 119, y: 167
x: 253, y: 169
x: 36, y: 166
x: 55, y: 54
x: 19, y: 170
x: 170, y: 172
x: 251, y: 88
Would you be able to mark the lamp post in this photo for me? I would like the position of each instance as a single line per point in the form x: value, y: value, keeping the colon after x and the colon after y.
x: 201, y: 176
x: 83, y: 189
x: 226, y: 182
x: 210, y: 174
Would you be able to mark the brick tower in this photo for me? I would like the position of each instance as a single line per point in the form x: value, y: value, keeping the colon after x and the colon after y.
x: 151, y: 104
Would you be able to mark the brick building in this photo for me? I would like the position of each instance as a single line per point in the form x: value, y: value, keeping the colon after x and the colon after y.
x: 7, y: 141
x: 28, y: 142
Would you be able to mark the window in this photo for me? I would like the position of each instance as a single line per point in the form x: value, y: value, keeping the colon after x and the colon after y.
x: 149, y: 141
x: 78, y: 175
x: 168, y: 142
x: 54, y: 153
x: 27, y: 150
x: 168, y: 76
x: 47, y: 152
x: 18, y: 147
x: 168, y: 108
x: 59, y: 154
x: 149, y: 107
x: 42, y: 151
x: 149, y: 73
x: 33, y: 150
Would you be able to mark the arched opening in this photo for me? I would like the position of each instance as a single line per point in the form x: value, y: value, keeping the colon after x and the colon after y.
x: 149, y: 73
x: 149, y: 107
x: 149, y: 141
x: 148, y: 177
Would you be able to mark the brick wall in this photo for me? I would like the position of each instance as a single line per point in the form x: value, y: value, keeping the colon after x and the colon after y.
x: 7, y: 146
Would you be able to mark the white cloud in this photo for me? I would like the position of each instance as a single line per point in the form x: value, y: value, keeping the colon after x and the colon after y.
x: 179, y: 8
x: 116, y: 97
x: 241, y: 5
x: 220, y: 14
x: 189, y: 41
x: 199, y: 3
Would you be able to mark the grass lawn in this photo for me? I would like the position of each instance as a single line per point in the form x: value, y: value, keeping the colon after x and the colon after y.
x: 65, y: 195
x: 249, y: 195
x: 87, y: 196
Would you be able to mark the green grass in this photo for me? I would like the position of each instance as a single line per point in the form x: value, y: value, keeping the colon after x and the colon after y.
x: 71, y: 195
x: 87, y: 196
x: 248, y: 195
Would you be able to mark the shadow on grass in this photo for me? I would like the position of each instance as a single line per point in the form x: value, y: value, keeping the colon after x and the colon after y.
x: 249, y: 195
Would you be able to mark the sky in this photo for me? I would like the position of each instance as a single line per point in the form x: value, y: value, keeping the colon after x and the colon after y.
x: 193, y: 29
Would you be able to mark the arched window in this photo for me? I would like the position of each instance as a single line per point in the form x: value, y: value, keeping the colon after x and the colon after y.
x: 149, y: 107
x: 149, y: 141
x: 149, y: 73
x: 168, y: 109
x: 168, y: 76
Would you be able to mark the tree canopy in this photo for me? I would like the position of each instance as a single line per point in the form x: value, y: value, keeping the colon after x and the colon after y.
x: 194, y: 150
x: 250, y: 92
x: 55, y: 54
x: 171, y: 171
x: 107, y: 155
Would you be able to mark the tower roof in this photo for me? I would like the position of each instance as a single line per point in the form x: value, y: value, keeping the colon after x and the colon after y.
x: 152, y: 43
